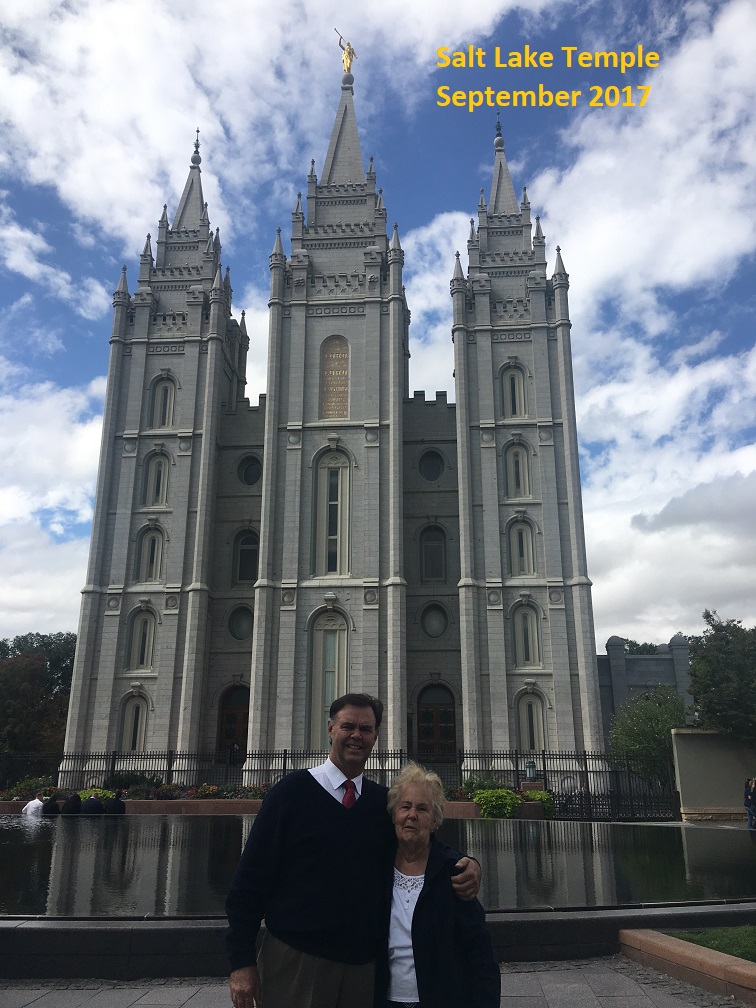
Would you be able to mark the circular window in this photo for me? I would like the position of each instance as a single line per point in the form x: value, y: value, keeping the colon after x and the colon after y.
x: 240, y: 623
x: 250, y: 470
x: 434, y: 621
x: 431, y: 466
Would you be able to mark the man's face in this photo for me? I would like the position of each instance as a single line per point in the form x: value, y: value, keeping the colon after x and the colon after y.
x: 353, y: 734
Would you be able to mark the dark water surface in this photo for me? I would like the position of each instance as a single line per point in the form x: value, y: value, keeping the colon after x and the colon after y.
x: 182, y: 865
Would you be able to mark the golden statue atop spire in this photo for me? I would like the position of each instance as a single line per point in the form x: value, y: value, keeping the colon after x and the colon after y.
x: 348, y: 55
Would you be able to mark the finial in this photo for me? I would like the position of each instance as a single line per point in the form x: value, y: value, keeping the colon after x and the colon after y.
x: 196, y: 159
x: 499, y: 139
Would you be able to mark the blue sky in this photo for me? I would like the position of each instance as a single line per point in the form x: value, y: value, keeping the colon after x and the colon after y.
x: 654, y: 208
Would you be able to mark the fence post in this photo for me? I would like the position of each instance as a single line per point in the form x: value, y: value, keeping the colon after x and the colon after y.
x: 169, y: 767
x: 113, y: 758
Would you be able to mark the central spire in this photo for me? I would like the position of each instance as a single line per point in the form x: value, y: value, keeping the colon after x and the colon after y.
x: 343, y: 161
x: 503, y: 199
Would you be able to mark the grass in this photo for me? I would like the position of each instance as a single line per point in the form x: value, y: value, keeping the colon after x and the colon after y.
x: 735, y: 941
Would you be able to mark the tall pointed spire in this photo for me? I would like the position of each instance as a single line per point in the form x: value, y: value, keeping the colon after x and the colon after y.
x: 503, y: 199
x: 191, y: 209
x: 343, y: 162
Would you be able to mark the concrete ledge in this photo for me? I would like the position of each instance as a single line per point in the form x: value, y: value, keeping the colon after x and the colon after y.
x: 226, y: 806
x: 129, y: 949
x: 703, y: 967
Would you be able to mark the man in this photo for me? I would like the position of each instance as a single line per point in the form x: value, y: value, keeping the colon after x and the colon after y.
x: 33, y: 809
x: 313, y: 867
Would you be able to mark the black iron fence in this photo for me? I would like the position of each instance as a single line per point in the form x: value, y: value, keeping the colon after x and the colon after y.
x: 584, y: 785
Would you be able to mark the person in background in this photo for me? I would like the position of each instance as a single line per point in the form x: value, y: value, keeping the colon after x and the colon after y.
x: 33, y: 809
x: 439, y: 952
x: 91, y: 806
x: 749, y: 801
x: 115, y: 805
x: 72, y: 805
x: 51, y: 807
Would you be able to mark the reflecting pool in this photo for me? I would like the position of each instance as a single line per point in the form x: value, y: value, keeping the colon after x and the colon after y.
x: 166, y: 866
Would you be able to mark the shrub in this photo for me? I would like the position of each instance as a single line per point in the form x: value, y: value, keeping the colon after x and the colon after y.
x: 26, y: 789
x: 169, y: 792
x: 128, y: 779
x: 498, y: 803
x: 546, y: 798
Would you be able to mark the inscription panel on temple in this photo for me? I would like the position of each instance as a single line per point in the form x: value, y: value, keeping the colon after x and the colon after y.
x: 334, y: 378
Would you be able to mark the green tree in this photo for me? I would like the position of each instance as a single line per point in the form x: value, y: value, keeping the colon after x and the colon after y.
x: 643, y: 729
x: 58, y: 650
x: 32, y: 717
x: 723, y: 677
x: 633, y: 647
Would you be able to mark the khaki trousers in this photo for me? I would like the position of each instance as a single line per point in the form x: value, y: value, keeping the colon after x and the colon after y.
x: 294, y: 979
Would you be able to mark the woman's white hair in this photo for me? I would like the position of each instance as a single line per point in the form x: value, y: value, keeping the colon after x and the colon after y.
x: 413, y: 773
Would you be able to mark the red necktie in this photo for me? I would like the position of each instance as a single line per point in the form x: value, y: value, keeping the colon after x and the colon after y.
x: 350, y: 794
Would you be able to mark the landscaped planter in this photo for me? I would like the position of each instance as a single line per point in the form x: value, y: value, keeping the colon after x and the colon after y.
x: 531, y: 810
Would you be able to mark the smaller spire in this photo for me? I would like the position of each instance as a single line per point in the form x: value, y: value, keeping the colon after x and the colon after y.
x: 164, y: 215
x: 482, y: 201
x: 123, y: 287
x: 458, y: 274
x: 379, y: 201
x: 243, y: 323
x: 525, y: 200
x: 196, y: 159
x: 538, y: 230
x: 218, y: 282
x: 298, y: 207
x: 559, y: 265
x: 395, y: 238
x: 147, y: 250
x: 472, y: 230
x: 204, y: 218
x: 216, y: 241
x: 278, y: 246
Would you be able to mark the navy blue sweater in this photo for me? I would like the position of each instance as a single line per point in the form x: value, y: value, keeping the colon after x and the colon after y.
x: 315, y: 871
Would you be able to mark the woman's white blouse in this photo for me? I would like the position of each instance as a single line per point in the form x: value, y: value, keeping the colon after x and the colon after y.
x: 402, y: 978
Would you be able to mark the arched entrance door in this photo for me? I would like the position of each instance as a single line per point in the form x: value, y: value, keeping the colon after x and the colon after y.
x: 233, y: 722
x: 436, y: 725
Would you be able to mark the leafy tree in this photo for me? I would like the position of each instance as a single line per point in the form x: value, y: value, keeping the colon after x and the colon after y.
x: 643, y: 729
x: 58, y: 650
x: 32, y: 716
x: 633, y: 647
x: 723, y: 677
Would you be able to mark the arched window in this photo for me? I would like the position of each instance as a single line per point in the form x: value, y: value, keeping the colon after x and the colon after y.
x: 531, y: 723
x: 141, y: 641
x: 521, y: 552
x: 156, y: 482
x: 517, y: 471
x: 328, y: 676
x: 526, y: 641
x: 513, y: 392
x: 134, y: 725
x: 150, y: 556
x: 433, y: 554
x: 163, y: 402
x: 332, y: 528
x: 246, y: 556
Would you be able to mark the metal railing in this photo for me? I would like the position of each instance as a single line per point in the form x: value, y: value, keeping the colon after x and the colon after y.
x: 585, y: 785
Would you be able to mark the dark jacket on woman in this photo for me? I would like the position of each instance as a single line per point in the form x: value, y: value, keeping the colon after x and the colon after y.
x: 454, y: 962
x: 72, y: 805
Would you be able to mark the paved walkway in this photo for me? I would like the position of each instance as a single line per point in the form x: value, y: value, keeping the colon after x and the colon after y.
x: 610, y: 982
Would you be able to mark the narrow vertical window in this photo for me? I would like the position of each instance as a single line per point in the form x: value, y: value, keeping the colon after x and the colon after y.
x: 332, y: 515
x: 142, y: 641
x: 526, y: 641
x: 156, y: 485
x: 163, y: 397
x: 433, y: 554
x: 513, y: 392
x: 328, y: 675
x: 517, y: 471
x: 521, y: 553
x: 150, y: 556
x: 247, y: 555
x: 134, y: 725
x: 531, y: 723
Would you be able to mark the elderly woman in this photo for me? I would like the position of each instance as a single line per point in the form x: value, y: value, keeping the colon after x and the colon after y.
x: 439, y: 953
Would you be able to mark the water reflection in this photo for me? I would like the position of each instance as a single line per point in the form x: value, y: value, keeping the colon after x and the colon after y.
x: 182, y: 865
